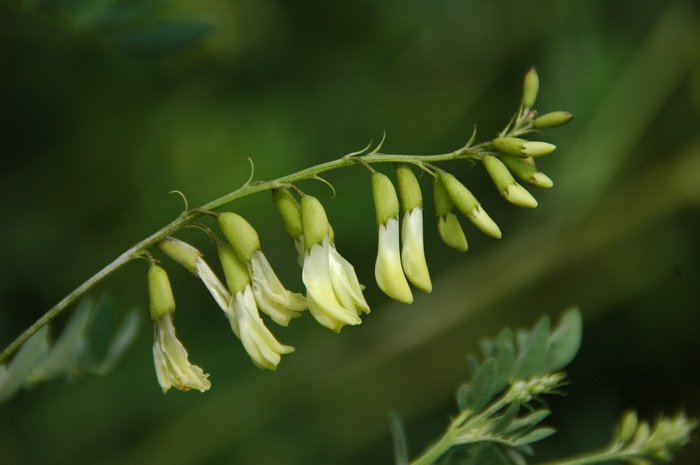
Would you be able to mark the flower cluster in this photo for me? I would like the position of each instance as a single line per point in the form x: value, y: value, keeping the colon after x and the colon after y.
x: 334, y: 295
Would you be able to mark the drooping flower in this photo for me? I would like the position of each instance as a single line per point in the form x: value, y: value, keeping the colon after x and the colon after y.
x: 467, y: 204
x: 388, y: 269
x: 505, y: 183
x: 242, y: 312
x: 173, y: 368
x: 449, y: 228
x: 264, y: 350
x: 412, y: 250
x: 333, y: 291
x: 272, y: 297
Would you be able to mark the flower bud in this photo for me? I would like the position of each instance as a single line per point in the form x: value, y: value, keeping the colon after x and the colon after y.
x: 159, y: 291
x: 386, y: 202
x: 181, y: 252
x: 467, y: 204
x: 522, y: 147
x: 531, y: 86
x: 290, y: 211
x: 506, y: 185
x: 448, y: 225
x: 552, y: 120
x: 240, y: 234
x: 628, y: 426
x: 525, y: 169
x: 314, y: 221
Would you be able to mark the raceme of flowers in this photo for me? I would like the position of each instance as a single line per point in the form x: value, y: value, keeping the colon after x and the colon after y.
x: 253, y: 295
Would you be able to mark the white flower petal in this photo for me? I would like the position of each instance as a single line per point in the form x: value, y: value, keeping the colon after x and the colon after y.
x: 272, y: 297
x: 258, y: 341
x: 324, y: 283
x: 216, y: 288
x: 412, y: 251
x: 387, y: 269
x: 170, y: 359
x: 345, y: 282
x: 451, y: 232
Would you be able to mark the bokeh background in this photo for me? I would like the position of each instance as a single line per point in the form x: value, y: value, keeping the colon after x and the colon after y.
x: 109, y: 105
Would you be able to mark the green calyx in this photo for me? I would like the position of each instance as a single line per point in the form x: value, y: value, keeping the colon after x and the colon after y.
x: 290, y: 211
x: 180, y: 251
x: 463, y: 199
x: 386, y: 203
x: 240, y: 234
x: 237, y: 277
x: 409, y: 189
x: 443, y: 203
x: 160, y: 293
x: 314, y: 221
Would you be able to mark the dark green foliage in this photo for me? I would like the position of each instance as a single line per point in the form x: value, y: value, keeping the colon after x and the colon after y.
x: 92, y: 341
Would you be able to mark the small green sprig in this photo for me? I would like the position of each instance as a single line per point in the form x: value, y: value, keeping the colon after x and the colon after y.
x: 334, y: 295
x: 501, y: 410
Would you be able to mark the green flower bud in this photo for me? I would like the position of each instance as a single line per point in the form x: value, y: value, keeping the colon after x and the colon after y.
x: 159, y: 291
x: 290, y: 211
x: 525, y: 169
x: 531, y: 86
x: 552, y: 120
x: 449, y: 228
x: 181, y: 252
x: 628, y: 426
x: 409, y: 189
x: 386, y: 203
x: 237, y: 277
x: 522, y: 147
x: 506, y: 185
x: 240, y: 234
x: 467, y: 204
x: 314, y: 221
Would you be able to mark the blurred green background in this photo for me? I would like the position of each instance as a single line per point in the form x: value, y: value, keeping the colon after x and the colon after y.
x: 108, y: 106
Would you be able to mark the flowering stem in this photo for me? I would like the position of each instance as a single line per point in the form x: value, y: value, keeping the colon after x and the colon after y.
x: 189, y: 216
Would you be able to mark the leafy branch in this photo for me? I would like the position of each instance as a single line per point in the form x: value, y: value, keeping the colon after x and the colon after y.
x: 501, y: 408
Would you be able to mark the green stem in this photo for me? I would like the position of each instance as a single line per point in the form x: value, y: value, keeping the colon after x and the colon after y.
x: 435, y: 451
x: 590, y: 458
x: 189, y: 216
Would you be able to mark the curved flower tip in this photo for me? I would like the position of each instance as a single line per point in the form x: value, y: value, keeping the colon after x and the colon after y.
x: 387, y: 269
x: 451, y: 232
x: 412, y: 252
x: 173, y: 369
x: 264, y: 350
x: 333, y: 292
x: 272, y: 297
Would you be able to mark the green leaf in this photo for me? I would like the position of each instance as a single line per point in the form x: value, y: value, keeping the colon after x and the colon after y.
x: 29, y: 355
x: 97, y: 339
x: 521, y: 425
x: 565, y: 340
x: 66, y: 354
x: 532, y: 357
x: 504, y: 353
x: 122, y: 340
x: 535, y: 435
x: 505, y: 420
x: 398, y: 439
x: 482, y: 386
x: 462, y: 396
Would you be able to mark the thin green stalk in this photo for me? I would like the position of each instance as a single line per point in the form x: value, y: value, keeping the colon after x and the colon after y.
x: 189, y: 216
x: 594, y: 457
